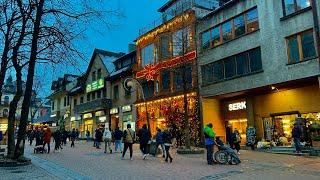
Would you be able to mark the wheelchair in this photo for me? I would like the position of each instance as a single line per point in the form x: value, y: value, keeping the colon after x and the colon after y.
x: 223, y: 156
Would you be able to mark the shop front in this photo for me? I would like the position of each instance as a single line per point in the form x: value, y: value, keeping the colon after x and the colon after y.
x: 87, y: 125
x: 169, y: 113
x: 127, y: 118
x: 114, y: 119
x: 3, y: 124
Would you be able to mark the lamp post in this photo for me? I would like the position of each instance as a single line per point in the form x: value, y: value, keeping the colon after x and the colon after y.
x: 128, y: 85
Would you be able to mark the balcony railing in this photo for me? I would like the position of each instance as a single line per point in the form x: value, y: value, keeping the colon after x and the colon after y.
x: 93, y: 105
x: 177, y: 9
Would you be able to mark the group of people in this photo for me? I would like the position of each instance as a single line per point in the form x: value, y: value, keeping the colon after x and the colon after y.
x: 233, y: 140
x: 43, y: 137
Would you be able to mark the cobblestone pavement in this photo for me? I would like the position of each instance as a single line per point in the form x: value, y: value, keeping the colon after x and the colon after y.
x: 86, y: 162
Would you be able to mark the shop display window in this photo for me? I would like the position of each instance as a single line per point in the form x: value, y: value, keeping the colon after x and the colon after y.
x: 241, y: 126
x: 282, y: 129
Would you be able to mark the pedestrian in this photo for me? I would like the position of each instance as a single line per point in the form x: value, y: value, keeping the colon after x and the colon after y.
x: 37, y: 135
x: 144, y: 137
x: 237, y: 140
x: 221, y: 146
x: 296, y: 134
x: 167, y: 139
x: 73, y: 136
x: 117, y: 139
x: 57, y: 140
x: 128, y: 139
x: 107, y: 136
x: 77, y: 134
x: 209, y: 142
x: 31, y: 137
x: 99, y: 136
x: 230, y: 136
x: 65, y: 136
x: 47, y: 138
x: 94, y: 138
x: 88, y: 135
x: 159, y: 141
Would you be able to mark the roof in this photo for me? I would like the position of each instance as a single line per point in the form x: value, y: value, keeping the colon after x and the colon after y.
x: 132, y: 53
x: 222, y: 7
x: 166, y: 5
x: 120, y: 71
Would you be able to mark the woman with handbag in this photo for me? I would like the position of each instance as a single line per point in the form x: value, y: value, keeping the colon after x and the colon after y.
x: 128, y: 139
x: 237, y: 140
x: 167, y: 139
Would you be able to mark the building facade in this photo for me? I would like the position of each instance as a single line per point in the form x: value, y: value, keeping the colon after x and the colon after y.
x: 123, y: 111
x: 258, y: 67
x: 167, y: 68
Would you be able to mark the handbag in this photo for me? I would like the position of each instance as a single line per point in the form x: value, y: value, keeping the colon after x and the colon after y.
x: 133, y: 140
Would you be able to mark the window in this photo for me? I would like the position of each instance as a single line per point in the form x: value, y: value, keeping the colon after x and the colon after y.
x: 179, y: 79
x: 301, y: 46
x: 99, y: 74
x: 205, y: 40
x: 292, y: 6
x: 242, y: 64
x: 180, y: 41
x: 227, y: 31
x: 52, y: 104
x: 81, y: 100
x: 88, y: 97
x: 93, y: 76
x: 6, y: 100
x: 116, y: 92
x: 99, y: 94
x: 165, y: 47
x: 104, y: 92
x: 5, y: 112
x: 244, y: 23
x: 68, y: 100
x: 127, y: 92
x: 252, y: 21
x: 65, y: 101
x: 148, y: 89
x: 215, y: 34
x: 237, y: 65
x: 165, y: 79
x: 93, y: 96
x: 148, y: 55
x: 75, y: 102
x: 126, y: 62
x: 255, y: 60
x: 239, y: 26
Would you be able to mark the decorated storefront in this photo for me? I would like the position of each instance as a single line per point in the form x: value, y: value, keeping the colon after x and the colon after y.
x: 169, y: 113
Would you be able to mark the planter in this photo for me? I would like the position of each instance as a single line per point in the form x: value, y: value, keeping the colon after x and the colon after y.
x: 316, y: 144
x: 190, y: 151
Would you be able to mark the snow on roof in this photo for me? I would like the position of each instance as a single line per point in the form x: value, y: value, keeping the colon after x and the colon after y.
x: 108, y: 62
x: 119, y: 71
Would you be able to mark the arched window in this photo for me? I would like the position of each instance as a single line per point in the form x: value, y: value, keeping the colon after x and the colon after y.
x: 6, y: 100
x: 5, y: 113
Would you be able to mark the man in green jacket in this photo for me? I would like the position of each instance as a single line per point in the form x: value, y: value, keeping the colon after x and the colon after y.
x: 209, y: 142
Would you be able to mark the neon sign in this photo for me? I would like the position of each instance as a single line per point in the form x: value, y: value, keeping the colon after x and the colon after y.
x: 95, y: 85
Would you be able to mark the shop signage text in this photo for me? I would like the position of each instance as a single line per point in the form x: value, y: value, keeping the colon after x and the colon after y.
x: 126, y: 108
x: 103, y: 119
x: 237, y: 106
x: 86, y: 116
x: 95, y: 85
x: 114, y: 111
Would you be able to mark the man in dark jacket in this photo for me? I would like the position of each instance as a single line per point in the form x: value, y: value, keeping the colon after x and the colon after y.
x: 159, y: 141
x: 98, y: 137
x: 144, y: 137
x: 73, y: 137
x: 117, y: 139
x: 296, y: 135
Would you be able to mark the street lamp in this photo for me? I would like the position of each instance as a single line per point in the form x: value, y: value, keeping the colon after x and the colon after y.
x: 129, y: 84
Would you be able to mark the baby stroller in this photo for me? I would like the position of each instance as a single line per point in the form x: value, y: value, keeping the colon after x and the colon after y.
x: 225, y: 154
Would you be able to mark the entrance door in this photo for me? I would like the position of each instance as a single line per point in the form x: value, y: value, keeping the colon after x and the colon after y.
x: 88, y: 125
x: 282, y: 129
x: 241, y: 126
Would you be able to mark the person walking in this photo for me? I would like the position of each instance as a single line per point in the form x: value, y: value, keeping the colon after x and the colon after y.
x: 107, y: 136
x: 159, y: 141
x: 144, y: 137
x: 31, y: 137
x: 73, y: 136
x: 296, y: 135
x: 98, y: 137
x: 167, y: 139
x: 237, y: 140
x: 88, y: 135
x: 209, y: 142
x: 77, y: 134
x: 47, y: 138
x: 128, y: 138
x: 117, y: 139
x: 94, y: 138
x: 57, y: 140
x: 230, y: 136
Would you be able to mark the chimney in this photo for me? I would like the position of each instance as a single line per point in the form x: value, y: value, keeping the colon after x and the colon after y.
x: 131, y: 47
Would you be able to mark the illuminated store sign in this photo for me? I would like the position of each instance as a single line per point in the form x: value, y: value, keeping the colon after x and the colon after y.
x: 237, y: 106
x: 126, y: 108
x: 95, y: 85
x: 114, y: 111
x: 88, y: 115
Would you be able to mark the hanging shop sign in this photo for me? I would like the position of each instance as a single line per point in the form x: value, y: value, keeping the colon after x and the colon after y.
x: 103, y: 119
x: 114, y: 111
x: 126, y: 108
x: 53, y: 115
x: 99, y: 113
x: 72, y: 118
x: 237, y: 106
x: 88, y: 115
x: 95, y: 85
x: 151, y: 71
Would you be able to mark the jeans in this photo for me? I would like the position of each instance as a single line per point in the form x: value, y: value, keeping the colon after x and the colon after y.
x: 118, y: 145
x: 72, y: 142
x: 98, y: 144
x: 209, y: 154
x: 88, y: 137
x: 126, y: 146
x: 168, y: 153
x: 44, y: 144
x: 297, y: 145
x: 143, y: 148
x: 107, y: 143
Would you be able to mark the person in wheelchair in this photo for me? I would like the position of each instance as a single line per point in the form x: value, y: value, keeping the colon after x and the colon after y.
x: 231, y: 153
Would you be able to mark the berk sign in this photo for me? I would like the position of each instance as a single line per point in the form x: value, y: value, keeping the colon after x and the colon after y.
x: 237, y: 106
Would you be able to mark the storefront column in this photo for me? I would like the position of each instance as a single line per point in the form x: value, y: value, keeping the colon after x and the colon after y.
x: 250, y: 112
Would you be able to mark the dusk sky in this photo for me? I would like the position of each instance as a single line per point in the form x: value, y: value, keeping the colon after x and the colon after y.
x: 124, y: 30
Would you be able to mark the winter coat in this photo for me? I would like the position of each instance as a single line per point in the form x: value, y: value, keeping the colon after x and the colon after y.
x: 99, y: 136
x: 209, y: 135
x: 73, y: 135
x: 47, y: 136
x: 118, y: 135
x: 107, y: 134
x: 128, y: 136
x: 144, y: 136
x: 296, y: 133
x: 166, y: 137
x: 159, y: 139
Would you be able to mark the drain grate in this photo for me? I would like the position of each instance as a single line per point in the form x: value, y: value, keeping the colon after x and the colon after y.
x: 221, y: 175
